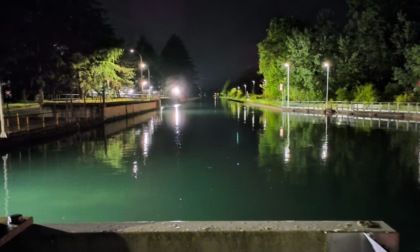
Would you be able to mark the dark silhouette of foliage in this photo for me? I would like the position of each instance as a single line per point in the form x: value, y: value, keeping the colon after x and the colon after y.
x: 39, y: 38
x: 151, y: 59
x: 177, y: 65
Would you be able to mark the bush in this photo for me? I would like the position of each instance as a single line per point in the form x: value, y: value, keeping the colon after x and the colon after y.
x: 232, y: 93
x: 239, y: 94
x: 343, y: 94
x: 406, y: 97
x: 365, y: 93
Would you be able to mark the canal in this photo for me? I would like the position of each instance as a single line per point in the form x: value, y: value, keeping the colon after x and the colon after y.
x: 215, y: 160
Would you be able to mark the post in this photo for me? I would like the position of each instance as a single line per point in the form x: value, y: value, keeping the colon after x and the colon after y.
x: 18, y: 121
x: 328, y: 75
x: 56, y: 119
x: 2, y: 133
x: 288, y: 79
x: 43, y: 121
x: 27, y: 123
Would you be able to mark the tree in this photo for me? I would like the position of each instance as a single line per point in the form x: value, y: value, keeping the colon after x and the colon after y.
x: 273, y: 54
x: 40, y: 40
x: 100, y: 71
x: 177, y: 66
x: 368, y: 31
x: 306, y: 65
x: 151, y: 59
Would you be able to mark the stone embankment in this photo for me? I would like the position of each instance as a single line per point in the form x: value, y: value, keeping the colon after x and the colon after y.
x: 55, y: 120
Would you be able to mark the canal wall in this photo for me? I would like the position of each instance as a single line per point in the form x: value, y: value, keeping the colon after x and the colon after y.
x: 207, y: 236
x: 68, y: 119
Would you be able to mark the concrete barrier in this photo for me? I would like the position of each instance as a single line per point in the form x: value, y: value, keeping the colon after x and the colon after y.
x: 220, y: 236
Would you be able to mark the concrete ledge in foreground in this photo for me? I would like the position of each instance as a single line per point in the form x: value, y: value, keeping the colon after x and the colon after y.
x: 207, y: 236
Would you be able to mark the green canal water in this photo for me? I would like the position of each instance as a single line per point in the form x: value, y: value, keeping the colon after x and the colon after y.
x: 214, y: 160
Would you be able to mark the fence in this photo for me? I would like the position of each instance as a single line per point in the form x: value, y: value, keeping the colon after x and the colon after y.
x: 391, y: 107
x: 18, y: 122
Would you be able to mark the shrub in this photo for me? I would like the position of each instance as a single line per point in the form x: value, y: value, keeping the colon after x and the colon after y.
x: 343, y: 94
x: 232, y: 93
x: 239, y: 94
x: 365, y: 93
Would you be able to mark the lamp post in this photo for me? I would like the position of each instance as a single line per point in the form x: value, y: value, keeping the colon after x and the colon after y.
x: 245, y: 90
x: 141, y: 69
x: 288, y: 76
x: 327, y: 66
x: 148, y: 72
x: 253, y: 87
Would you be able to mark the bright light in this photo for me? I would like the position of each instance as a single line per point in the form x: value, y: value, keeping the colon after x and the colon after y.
x: 143, y: 65
x: 324, y: 152
x: 326, y: 64
x: 176, y: 91
x: 130, y: 91
x: 286, y: 64
x: 131, y: 50
x: 287, y: 154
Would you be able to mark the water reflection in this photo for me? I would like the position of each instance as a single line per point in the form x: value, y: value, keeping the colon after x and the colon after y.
x: 138, y: 137
x: 287, y: 148
x: 245, y: 115
x: 6, y: 187
x: 135, y: 169
x: 177, y: 122
x: 324, y: 152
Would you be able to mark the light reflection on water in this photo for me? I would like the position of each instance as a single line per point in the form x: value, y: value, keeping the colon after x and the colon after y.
x: 222, y: 161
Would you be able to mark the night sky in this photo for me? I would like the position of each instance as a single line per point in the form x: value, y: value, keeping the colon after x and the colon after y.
x: 221, y: 35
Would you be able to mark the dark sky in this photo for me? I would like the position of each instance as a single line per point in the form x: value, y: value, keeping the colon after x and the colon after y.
x: 221, y: 35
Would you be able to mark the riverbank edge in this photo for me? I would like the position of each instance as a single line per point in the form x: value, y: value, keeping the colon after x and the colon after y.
x: 205, y: 236
x: 29, y: 137
x: 355, y: 113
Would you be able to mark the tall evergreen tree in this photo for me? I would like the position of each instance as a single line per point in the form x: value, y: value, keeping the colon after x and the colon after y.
x: 151, y: 59
x: 177, y: 65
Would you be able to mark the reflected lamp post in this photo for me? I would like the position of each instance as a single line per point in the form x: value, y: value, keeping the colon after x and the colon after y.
x: 288, y: 77
x: 327, y: 66
x: 324, y: 153
x: 287, y: 148
x: 141, y: 69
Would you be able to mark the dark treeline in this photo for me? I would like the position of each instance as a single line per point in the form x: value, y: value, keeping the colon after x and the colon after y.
x: 67, y: 46
x: 374, y: 56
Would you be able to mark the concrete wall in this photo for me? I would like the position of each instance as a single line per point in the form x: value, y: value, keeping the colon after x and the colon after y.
x: 291, y: 236
x: 115, y: 112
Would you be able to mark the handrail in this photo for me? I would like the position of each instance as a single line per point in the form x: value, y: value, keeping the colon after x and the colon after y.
x: 391, y: 107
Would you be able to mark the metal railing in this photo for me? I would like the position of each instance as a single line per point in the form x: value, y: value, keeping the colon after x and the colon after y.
x: 391, y: 107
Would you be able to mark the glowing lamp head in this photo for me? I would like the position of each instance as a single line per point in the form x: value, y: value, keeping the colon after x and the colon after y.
x: 326, y: 65
x: 143, y: 65
x: 131, y: 50
x: 176, y: 91
x: 286, y: 65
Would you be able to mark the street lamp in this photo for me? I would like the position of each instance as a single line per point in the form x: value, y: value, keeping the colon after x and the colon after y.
x: 148, y: 72
x: 141, y: 69
x: 253, y: 87
x: 245, y: 89
x: 288, y: 76
x: 327, y: 66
